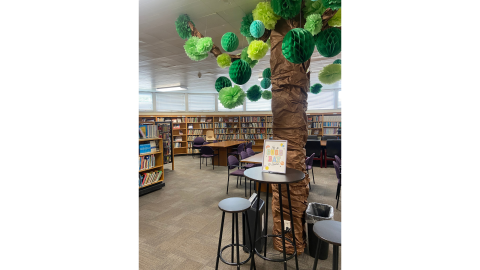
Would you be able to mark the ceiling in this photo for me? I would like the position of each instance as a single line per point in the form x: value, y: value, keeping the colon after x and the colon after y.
x: 162, y: 59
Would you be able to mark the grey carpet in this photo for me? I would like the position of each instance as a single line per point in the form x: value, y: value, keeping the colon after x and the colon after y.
x: 180, y: 224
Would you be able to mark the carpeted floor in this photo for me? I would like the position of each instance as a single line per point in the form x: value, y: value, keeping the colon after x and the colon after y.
x: 180, y: 224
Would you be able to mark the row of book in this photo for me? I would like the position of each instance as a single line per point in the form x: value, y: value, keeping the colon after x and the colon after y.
x: 147, y: 120
x: 332, y: 124
x: 315, y: 125
x: 252, y: 130
x: 254, y: 136
x: 171, y: 119
x: 314, y: 118
x: 206, y: 125
x: 253, y: 118
x: 191, y: 138
x: 228, y: 119
x: 269, y: 124
x: 165, y: 134
x: 253, y: 125
x: 145, y: 179
x: 178, y: 138
x: 146, y: 162
x: 330, y: 131
x: 269, y: 118
x: 199, y: 119
x: 176, y: 126
x: 225, y: 130
x: 148, y: 131
x: 177, y: 145
x: 332, y: 118
x: 269, y: 130
x: 191, y: 151
x: 148, y: 147
x: 195, y: 132
x: 228, y: 137
x: 220, y: 125
x: 314, y: 131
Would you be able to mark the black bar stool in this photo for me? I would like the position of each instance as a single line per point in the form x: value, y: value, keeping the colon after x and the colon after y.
x: 330, y: 232
x: 234, y: 206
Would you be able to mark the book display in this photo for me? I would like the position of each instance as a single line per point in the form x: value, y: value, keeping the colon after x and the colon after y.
x: 150, y: 157
x: 165, y: 132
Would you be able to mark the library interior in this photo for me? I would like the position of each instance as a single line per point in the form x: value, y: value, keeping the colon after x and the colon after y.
x: 246, y: 90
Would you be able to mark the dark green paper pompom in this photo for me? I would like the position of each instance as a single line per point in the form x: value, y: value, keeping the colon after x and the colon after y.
x: 244, y: 57
x: 329, y: 42
x: 229, y: 42
x: 245, y: 25
x: 265, y: 83
x: 267, y: 73
x: 267, y: 95
x: 316, y: 88
x: 287, y: 9
x: 333, y: 4
x: 298, y: 45
x: 254, y: 93
x: 338, y: 61
x: 222, y: 82
x: 181, y: 24
x: 240, y: 72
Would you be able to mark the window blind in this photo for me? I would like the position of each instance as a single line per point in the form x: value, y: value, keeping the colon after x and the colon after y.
x: 169, y: 102
x: 201, y: 102
x: 145, y: 102
x: 339, y: 99
x: 259, y: 105
x: 321, y: 101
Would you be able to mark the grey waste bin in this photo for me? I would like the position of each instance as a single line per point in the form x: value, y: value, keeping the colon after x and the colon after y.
x: 251, y: 220
x: 316, y: 212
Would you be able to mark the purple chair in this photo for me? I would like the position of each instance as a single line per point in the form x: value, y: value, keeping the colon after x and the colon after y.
x: 232, y: 163
x: 307, y: 161
x: 339, y: 177
x: 197, y: 144
x: 205, y: 143
x: 249, y: 145
x: 244, y: 155
x: 207, y: 152
x: 309, y: 165
x: 250, y: 152
x: 239, y: 149
x: 339, y: 161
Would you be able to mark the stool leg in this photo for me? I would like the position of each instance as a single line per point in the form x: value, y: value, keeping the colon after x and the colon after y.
x: 266, y: 222
x: 228, y: 182
x: 252, y: 243
x: 250, y: 237
x: 313, y: 175
x: 282, y: 228
x: 220, y: 240
x: 316, y: 255
x: 238, y: 242
x: 233, y: 235
x: 335, y: 258
x: 293, y: 226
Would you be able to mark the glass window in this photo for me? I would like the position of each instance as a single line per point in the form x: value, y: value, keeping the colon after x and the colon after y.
x: 169, y: 102
x: 201, y: 102
x: 145, y: 102
x: 259, y: 105
x: 322, y: 101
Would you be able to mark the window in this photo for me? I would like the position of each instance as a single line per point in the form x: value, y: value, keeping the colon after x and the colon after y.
x: 339, y: 99
x: 145, y: 102
x: 223, y: 109
x: 259, y: 105
x: 167, y: 102
x: 322, y: 101
x: 201, y: 102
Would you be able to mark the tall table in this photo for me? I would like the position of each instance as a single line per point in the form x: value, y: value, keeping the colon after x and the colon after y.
x: 223, y: 150
x: 257, y: 158
x: 290, y: 176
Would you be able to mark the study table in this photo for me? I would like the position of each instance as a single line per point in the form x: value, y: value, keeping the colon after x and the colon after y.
x: 258, y: 158
x: 223, y: 150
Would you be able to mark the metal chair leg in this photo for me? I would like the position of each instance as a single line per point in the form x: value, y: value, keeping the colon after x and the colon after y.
x: 220, y: 240
x: 228, y: 182
x: 338, y: 198
x: 313, y: 174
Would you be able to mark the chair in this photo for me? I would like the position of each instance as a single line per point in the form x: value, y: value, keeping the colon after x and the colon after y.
x: 309, y: 165
x: 333, y: 147
x: 207, y: 152
x: 245, y: 155
x: 239, y: 149
x: 197, y: 144
x: 232, y: 163
x: 312, y: 147
x: 339, y: 161
x: 210, y: 135
x: 307, y: 161
x: 250, y: 152
x: 249, y: 145
x: 339, y: 177
x: 325, y: 138
x: 312, y: 137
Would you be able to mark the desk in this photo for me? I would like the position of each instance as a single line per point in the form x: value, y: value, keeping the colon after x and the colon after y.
x: 223, y: 150
x: 258, y: 158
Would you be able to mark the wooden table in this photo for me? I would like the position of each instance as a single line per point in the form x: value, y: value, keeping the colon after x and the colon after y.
x: 223, y: 150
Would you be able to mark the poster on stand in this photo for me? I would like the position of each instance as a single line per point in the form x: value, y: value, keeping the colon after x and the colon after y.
x: 274, y: 156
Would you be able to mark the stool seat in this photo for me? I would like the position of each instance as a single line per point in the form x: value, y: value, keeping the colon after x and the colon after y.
x: 234, y: 205
x: 329, y: 231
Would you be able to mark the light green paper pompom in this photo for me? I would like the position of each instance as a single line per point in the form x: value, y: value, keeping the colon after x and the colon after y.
x: 231, y: 97
x: 314, y: 24
x: 316, y: 88
x: 245, y: 25
x: 204, y: 45
x: 333, y: 4
x: 224, y: 60
x: 191, y: 49
x: 244, y: 57
x: 313, y: 7
x: 267, y: 95
x: 336, y: 20
x: 268, y: 43
x: 287, y: 9
x: 257, y: 49
x: 330, y: 74
x: 250, y: 39
x: 254, y: 93
x: 229, y: 42
x: 181, y: 24
x: 264, y: 12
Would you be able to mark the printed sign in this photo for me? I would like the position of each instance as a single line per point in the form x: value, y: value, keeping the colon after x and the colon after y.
x: 274, y: 156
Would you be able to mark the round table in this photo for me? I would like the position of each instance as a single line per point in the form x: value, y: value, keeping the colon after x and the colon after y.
x: 330, y: 232
x: 290, y: 176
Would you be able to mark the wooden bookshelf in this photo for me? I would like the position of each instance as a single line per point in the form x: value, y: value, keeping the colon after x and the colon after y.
x: 157, y: 166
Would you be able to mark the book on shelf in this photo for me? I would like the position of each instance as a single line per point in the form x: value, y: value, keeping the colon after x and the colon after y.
x: 146, y: 162
x: 177, y: 145
x: 180, y: 132
x: 174, y: 120
x: 142, y: 133
x: 209, y: 120
x: 202, y: 119
x: 178, y: 138
x: 149, y: 178
x: 190, y: 126
x: 153, y: 146
x: 177, y: 126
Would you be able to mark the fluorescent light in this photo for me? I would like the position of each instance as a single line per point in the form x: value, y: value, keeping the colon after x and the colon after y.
x: 167, y: 89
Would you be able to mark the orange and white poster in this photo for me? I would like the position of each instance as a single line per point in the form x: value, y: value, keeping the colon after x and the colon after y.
x: 274, y: 156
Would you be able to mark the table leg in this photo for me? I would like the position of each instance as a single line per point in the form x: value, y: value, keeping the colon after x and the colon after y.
x: 335, y: 258
x: 266, y: 223
x: 316, y: 255
x: 292, y: 225
x: 257, y: 213
x: 282, y: 228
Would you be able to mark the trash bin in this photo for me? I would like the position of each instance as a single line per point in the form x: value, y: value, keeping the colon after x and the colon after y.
x: 251, y: 220
x: 317, y: 212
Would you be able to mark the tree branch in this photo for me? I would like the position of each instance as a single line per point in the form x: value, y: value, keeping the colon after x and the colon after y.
x: 215, y: 50
x: 326, y: 16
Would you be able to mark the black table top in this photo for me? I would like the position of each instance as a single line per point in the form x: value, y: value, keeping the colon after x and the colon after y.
x: 290, y: 176
x: 234, y: 205
x: 329, y: 231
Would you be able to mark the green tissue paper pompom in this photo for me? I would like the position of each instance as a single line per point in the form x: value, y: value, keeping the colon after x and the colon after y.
x: 224, y: 60
x: 257, y: 29
x: 330, y: 74
x: 250, y: 39
x: 264, y: 12
x: 265, y: 83
x: 287, y: 9
x: 240, y: 72
x: 313, y: 7
x: 191, y: 49
x: 245, y: 25
x: 244, y: 57
x: 298, y: 45
x: 229, y: 42
x: 231, y: 97
x: 267, y: 73
x: 181, y: 24
x: 336, y: 20
x: 257, y: 49
x: 329, y: 42
x: 254, y: 93
x: 313, y: 24
x: 222, y: 82
x: 268, y: 43
x: 338, y: 61
x: 333, y: 4
x: 316, y: 88
x: 204, y: 45
x: 267, y: 95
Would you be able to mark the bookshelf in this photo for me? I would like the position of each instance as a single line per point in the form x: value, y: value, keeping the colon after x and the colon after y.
x: 166, y: 133
x: 150, y: 159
